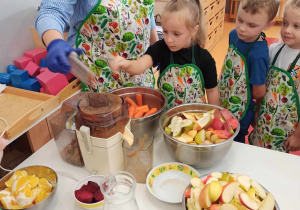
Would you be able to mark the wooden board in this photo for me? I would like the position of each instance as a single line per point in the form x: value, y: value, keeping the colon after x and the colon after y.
x: 21, y: 108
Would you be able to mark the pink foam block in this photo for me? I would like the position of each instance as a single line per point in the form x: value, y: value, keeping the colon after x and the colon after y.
x: 42, y: 90
x: 52, y: 83
x: 43, y: 70
x: 36, y: 55
x: 21, y: 63
x: 69, y: 76
x: 32, y: 69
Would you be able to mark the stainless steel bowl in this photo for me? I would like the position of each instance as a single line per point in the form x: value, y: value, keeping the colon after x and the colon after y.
x: 189, y: 186
x: 198, y: 156
x: 145, y: 125
x: 40, y: 172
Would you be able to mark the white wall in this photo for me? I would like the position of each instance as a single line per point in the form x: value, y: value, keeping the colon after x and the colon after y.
x: 16, y: 17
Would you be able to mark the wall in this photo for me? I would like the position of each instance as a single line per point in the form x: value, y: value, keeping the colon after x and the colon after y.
x: 16, y: 17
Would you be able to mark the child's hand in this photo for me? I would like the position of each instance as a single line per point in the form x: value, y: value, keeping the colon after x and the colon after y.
x: 118, y: 63
x: 292, y: 143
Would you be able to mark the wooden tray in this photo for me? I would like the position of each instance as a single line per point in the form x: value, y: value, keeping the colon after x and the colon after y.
x: 21, y: 108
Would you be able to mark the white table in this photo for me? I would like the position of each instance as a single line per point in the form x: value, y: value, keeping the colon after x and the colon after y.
x: 278, y: 172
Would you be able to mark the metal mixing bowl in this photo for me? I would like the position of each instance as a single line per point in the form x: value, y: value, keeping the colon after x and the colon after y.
x: 153, y: 98
x: 198, y: 156
x: 40, y: 172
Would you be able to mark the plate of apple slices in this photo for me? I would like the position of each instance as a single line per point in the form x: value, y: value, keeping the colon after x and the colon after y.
x: 227, y: 191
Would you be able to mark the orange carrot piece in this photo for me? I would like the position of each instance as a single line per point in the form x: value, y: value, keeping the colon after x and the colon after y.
x: 142, y: 107
x: 139, y: 99
x: 131, y: 111
x: 151, y: 111
x: 138, y: 114
x: 130, y: 101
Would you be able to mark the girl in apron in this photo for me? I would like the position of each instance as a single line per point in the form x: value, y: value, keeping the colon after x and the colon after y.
x: 115, y: 28
x: 277, y: 125
x: 187, y: 69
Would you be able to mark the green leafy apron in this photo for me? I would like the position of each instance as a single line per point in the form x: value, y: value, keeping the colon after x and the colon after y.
x: 279, y: 109
x: 112, y: 28
x: 234, y: 84
x: 182, y: 83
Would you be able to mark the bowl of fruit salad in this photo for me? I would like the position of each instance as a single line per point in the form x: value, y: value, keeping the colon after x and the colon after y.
x: 198, y: 134
x: 227, y: 191
x: 31, y: 187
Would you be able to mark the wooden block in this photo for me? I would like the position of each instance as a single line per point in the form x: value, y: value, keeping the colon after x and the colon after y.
x: 31, y: 84
x: 52, y: 83
x: 20, y: 63
x: 36, y: 55
x: 17, y: 77
x: 39, y: 135
x: 32, y: 68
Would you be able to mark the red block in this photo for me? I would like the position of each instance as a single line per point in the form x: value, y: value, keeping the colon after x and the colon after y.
x: 52, y: 83
x: 21, y: 63
x: 32, y: 68
x: 69, y: 76
x: 42, y: 90
x: 36, y: 54
x: 44, y: 70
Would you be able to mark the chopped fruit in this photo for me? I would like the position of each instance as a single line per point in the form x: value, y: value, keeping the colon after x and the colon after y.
x: 14, y: 177
x: 84, y: 196
x: 217, y: 124
x: 98, y: 196
x: 92, y: 187
x: 44, y: 183
x: 234, y: 123
x: 187, y: 193
x: 33, y: 181
x: 41, y: 195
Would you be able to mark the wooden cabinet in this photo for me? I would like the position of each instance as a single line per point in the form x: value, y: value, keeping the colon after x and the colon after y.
x: 214, y: 13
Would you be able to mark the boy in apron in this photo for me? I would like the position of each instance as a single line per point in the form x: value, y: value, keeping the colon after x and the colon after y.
x: 102, y: 30
x: 187, y: 70
x: 246, y: 64
x: 277, y: 127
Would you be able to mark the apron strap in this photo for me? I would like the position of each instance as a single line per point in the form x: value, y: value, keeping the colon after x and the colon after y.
x: 292, y: 66
x: 277, y: 54
x: 193, y: 56
x: 294, y: 63
x: 263, y: 35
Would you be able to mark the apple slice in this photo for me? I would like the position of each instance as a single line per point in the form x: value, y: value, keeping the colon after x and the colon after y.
x: 179, y: 138
x: 228, y: 127
x: 223, y: 183
x: 173, y: 122
x: 228, y: 192
x: 222, y: 134
x: 211, y: 179
x: 197, y: 182
x: 226, y: 114
x: 208, y: 134
x: 204, y: 198
x: 251, y: 193
x: 217, y: 124
x: 188, y: 116
x: 216, y: 174
x: 168, y: 130
x: 187, y: 138
x: 205, y: 122
x: 189, y: 204
x: 200, y: 137
x: 196, y: 197
x: 207, y: 142
x: 177, y: 129
x: 237, y: 192
x: 225, y: 176
x: 228, y: 206
x: 204, y: 180
x: 245, y: 182
x: 248, y: 202
x: 258, y: 189
x: 218, y: 114
x: 234, y: 123
x: 196, y: 126
x: 268, y: 202
x: 233, y: 177
x: 214, y: 138
x: 187, y: 193
x: 214, y: 207
x: 215, y: 190
x: 192, y: 133
x: 236, y: 202
x: 187, y: 124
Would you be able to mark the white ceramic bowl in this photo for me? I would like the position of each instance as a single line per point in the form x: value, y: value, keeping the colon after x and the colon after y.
x: 95, y: 178
x: 168, y: 181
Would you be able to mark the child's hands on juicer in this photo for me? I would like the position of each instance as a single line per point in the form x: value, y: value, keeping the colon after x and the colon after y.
x: 118, y: 63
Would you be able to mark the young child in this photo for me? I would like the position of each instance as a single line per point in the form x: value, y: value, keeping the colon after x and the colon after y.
x: 277, y: 127
x: 246, y: 64
x: 187, y: 70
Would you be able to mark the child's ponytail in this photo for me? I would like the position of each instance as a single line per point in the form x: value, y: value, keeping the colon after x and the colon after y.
x: 200, y: 36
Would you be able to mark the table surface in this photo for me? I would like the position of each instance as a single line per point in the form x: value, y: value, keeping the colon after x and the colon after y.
x: 278, y: 172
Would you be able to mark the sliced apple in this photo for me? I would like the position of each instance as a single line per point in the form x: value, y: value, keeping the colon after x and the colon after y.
x: 226, y: 114
x: 228, y: 192
x: 177, y: 129
x: 200, y: 137
x: 196, y: 197
x: 228, y: 127
x: 192, y: 133
x: 212, y: 111
x: 228, y: 206
x: 196, y: 126
x: 234, y: 123
x: 207, y: 142
x: 216, y: 174
x: 223, y: 183
x: 173, y: 122
x: 204, y: 180
x: 179, y: 138
x: 248, y: 202
x: 233, y: 177
x: 236, y: 202
x: 237, y: 192
x: 225, y: 176
x: 204, y: 198
x: 268, y: 202
x: 258, y: 189
x: 245, y: 182
x: 215, y: 190
x: 205, y: 122
x: 211, y: 179
x: 168, y: 130
x: 219, y: 141
x: 187, y: 193
x: 214, y: 138
x: 189, y: 204
x: 214, y: 207
x: 222, y: 134
x: 197, y: 182
x: 218, y: 114
x: 217, y: 124
x: 251, y: 193
x: 187, y: 124
x: 188, y: 116
x: 188, y: 139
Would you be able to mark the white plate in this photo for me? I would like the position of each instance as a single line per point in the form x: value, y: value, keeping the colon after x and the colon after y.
x: 168, y: 181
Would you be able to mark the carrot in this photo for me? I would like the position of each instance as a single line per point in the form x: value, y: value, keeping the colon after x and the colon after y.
x: 131, y: 111
x: 139, y: 99
x: 144, y: 107
x: 275, y: 96
x: 138, y: 114
x: 130, y: 101
x: 138, y: 20
x: 180, y: 80
x: 151, y: 111
x: 87, y: 27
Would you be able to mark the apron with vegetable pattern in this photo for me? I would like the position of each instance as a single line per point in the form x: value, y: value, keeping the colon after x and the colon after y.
x: 182, y: 83
x: 234, y: 84
x: 115, y: 28
x: 279, y: 110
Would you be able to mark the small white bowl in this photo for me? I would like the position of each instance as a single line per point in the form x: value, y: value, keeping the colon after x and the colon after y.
x: 168, y: 181
x: 95, y: 178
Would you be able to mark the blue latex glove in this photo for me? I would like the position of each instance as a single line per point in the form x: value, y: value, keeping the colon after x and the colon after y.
x: 57, y: 57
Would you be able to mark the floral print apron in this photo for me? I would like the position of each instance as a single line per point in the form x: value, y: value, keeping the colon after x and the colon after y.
x: 234, y: 87
x: 279, y: 111
x: 182, y: 83
x: 115, y: 28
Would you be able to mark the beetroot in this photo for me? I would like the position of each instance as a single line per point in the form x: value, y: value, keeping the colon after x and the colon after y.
x: 83, y: 188
x: 84, y: 196
x: 92, y: 187
x: 98, y: 196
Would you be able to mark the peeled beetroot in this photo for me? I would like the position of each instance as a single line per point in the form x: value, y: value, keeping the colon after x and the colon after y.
x: 84, y: 196
x: 98, y: 196
x: 92, y: 187
x: 83, y: 188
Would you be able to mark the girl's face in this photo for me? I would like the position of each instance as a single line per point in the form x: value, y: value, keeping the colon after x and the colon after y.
x: 175, y: 32
x: 290, y: 29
